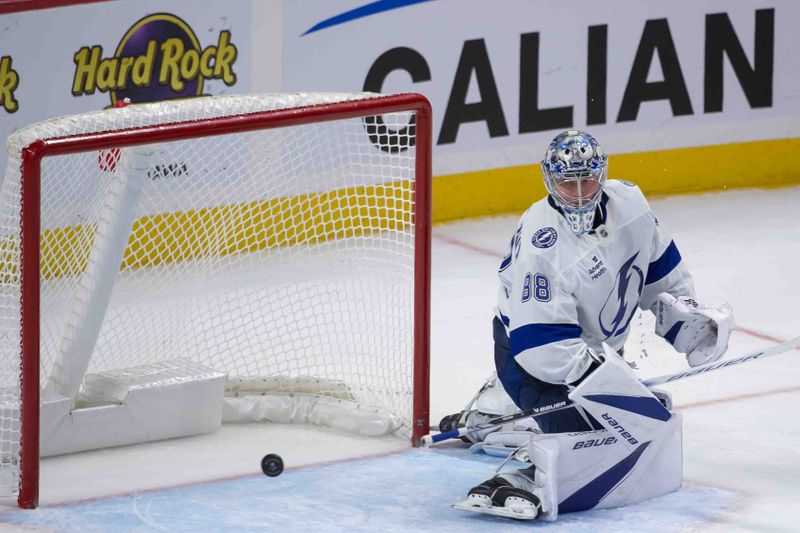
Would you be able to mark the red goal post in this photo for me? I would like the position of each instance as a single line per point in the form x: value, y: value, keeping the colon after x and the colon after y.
x: 30, y: 249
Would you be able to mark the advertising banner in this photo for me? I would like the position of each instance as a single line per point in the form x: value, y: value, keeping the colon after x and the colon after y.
x: 71, y: 59
x: 505, y: 77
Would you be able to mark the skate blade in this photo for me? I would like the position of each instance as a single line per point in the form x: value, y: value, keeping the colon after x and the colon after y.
x: 505, y: 512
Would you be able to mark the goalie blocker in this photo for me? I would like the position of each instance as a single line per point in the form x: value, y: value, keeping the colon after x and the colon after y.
x: 636, y: 456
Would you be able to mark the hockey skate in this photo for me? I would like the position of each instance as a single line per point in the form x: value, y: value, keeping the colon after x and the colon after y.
x: 451, y: 422
x: 498, y: 497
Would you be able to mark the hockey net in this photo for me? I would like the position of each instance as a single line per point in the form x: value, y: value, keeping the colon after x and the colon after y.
x: 279, y: 241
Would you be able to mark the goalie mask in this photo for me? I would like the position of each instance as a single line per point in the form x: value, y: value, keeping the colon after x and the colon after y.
x: 575, y: 169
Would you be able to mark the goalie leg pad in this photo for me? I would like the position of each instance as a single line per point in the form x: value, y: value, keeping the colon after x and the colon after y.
x: 502, y: 443
x: 586, y: 470
x: 639, y: 455
x: 636, y: 456
x: 493, y: 401
x: 664, y: 397
x: 594, y: 470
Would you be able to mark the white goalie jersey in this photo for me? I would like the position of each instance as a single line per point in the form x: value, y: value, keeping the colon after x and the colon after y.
x: 562, y: 295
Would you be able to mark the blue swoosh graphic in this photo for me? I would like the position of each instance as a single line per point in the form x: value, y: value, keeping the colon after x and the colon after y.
x: 364, y: 11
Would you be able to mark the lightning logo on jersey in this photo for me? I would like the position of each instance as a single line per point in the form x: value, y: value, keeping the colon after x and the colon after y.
x: 620, y: 306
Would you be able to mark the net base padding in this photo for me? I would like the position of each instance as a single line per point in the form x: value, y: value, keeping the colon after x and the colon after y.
x: 306, y: 400
x: 181, y: 398
x: 150, y: 402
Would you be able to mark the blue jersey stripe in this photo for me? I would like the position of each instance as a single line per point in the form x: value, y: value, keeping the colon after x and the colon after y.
x: 535, y: 335
x: 664, y: 264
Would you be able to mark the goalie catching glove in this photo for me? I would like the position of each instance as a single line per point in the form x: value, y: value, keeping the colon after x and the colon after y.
x: 699, y: 331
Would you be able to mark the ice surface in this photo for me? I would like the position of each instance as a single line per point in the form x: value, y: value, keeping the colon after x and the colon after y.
x: 408, y: 491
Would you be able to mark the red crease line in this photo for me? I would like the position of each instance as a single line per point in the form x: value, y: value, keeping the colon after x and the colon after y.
x: 472, y: 247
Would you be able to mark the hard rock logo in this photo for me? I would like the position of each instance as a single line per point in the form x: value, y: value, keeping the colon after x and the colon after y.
x: 9, y: 80
x: 159, y: 58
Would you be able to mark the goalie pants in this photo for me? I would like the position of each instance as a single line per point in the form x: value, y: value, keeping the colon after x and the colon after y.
x: 526, y: 391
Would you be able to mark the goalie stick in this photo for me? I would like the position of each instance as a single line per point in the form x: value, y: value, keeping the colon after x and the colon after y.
x: 427, y: 440
x: 709, y: 367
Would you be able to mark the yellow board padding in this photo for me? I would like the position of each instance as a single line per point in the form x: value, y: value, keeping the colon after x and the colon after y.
x: 486, y: 192
x: 237, y: 228
x: 764, y: 164
x: 315, y: 218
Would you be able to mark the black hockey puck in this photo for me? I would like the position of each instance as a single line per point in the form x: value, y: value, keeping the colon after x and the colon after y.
x: 272, y: 464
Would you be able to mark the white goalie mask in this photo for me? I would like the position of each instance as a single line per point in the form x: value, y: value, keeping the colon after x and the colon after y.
x: 574, y: 170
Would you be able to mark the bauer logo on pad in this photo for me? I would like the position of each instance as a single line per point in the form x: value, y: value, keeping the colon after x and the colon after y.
x: 545, y: 237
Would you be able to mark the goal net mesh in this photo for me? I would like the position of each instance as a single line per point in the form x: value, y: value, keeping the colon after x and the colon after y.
x: 278, y: 252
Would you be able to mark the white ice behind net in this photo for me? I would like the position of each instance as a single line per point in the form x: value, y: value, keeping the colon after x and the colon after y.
x: 280, y: 252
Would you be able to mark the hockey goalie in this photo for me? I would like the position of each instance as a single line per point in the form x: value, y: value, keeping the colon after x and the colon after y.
x: 580, y: 263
